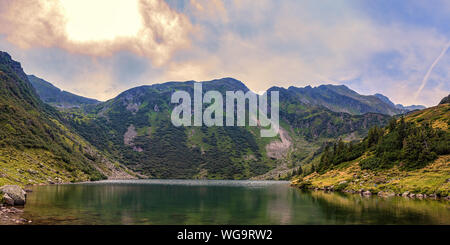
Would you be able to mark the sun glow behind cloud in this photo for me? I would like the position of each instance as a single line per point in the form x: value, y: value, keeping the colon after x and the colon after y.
x: 100, y: 20
x: 118, y: 44
x: 100, y: 28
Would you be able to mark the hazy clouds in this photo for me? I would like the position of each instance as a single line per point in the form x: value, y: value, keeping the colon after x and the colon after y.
x: 263, y: 43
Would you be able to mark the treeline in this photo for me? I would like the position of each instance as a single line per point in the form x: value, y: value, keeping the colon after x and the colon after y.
x: 406, y: 144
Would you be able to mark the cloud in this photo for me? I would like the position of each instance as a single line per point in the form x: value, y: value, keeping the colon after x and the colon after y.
x: 45, y: 23
x: 427, y: 75
x: 308, y: 43
x: 208, y: 9
x: 27, y: 23
x: 263, y: 43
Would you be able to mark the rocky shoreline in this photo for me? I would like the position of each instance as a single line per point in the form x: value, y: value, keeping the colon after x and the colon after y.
x: 12, y: 201
x: 362, y: 192
x: 430, y: 182
x: 12, y: 216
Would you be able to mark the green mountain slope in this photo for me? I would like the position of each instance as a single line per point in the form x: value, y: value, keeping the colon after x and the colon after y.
x: 54, y: 96
x: 315, y: 122
x: 35, y: 147
x: 410, y: 154
x: 135, y: 129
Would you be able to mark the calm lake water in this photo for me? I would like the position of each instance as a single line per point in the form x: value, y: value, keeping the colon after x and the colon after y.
x: 219, y: 202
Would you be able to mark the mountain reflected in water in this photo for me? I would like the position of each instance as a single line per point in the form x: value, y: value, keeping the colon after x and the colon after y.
x: 219, y: 202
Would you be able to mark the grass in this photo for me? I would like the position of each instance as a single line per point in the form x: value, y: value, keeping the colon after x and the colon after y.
x: 432, y: 179
x: 438, y: 116
x: 34, y: 166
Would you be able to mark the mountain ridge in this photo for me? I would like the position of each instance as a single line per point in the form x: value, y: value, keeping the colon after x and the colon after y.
x: 445, y: 100
x: 57, y: 97
x: 131, y: 125
x: 400, y: 106
x: 134, y: 129
x: 128, y: 127
x: 340, y: 98
x: 348, y: 100
x: 35, y: 146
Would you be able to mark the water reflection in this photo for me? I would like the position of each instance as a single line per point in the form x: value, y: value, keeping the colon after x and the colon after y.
x: 353, y: 209
x: 219, y: 202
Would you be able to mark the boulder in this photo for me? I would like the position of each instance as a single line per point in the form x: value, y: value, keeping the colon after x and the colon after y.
x: 14, y: 192
x: 405, y: 194
x: 7, y: 200
x: 386, y: 194
x: 367, y: 193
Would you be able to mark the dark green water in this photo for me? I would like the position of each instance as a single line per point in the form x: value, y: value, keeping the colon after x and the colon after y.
x: 219, y: 202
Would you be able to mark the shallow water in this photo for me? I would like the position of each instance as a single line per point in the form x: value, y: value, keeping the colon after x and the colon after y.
x: 219, y: 202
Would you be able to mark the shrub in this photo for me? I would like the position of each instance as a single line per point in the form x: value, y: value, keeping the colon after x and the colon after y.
x: 304, y: 185
x: 371, y: 163
x: 341, y: 186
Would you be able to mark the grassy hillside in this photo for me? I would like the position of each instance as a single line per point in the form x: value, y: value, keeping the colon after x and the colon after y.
x: 35, y: 147
x: 349, y: 177
x: 410, y: 154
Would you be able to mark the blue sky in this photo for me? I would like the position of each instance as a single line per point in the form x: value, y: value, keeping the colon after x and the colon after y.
x: 100, y: 48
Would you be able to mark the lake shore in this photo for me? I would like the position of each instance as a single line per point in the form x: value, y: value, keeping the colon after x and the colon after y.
x: 430, y: 182
x: 163, y: 202
x: 12, y: 216
x: 380, y: 194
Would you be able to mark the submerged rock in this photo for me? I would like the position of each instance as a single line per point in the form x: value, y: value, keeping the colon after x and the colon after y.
x: 13, y: 195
